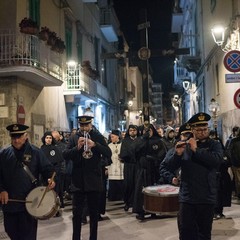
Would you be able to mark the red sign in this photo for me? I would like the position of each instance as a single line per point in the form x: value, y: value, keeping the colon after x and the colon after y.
x: 236, y: 98
x: 232, y: 61
x: 20, y: 114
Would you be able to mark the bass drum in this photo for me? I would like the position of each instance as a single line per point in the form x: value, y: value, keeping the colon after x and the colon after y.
x: 48, y: 207
x: 161, y: 198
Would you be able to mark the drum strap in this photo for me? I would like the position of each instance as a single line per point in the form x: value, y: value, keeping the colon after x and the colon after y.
x: 29, y: 173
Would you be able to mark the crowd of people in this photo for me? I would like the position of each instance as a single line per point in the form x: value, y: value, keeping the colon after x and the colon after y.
x: 91, y: 168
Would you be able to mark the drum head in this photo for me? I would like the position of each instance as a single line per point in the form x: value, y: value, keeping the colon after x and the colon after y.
x: 161, y: 190
x: 47, y: 205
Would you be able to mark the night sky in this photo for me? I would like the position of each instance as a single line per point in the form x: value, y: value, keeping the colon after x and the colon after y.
x: 159, y: 34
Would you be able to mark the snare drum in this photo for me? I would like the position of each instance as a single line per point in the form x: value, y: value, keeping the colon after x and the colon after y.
x: 161, y: 198
x: 48, y: 207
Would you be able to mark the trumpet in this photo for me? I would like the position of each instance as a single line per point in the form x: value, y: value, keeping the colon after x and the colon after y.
x: 87, y: 153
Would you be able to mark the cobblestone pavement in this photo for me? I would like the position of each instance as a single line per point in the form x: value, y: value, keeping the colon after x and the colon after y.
x: 119, y: 225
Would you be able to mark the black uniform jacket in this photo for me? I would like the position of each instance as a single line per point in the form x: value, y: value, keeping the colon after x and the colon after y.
x: 14, y: 179
x: 198, y: 183
x: 54, y: 156
x: 87, y: 173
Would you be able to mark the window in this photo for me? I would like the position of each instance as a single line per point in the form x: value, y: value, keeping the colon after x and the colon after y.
x: 34, y: 10
x: 79, y: 46
x: 79, y: 30
x: 68, y: 37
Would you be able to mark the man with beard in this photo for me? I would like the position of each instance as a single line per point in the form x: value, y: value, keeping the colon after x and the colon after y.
x: 126, y: 154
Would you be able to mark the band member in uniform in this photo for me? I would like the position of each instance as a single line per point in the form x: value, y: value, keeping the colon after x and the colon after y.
x: 86, y: 149
x: 16, y: 161
x: 199, y: 160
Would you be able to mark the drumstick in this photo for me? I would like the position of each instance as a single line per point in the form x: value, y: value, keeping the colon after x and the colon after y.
x: 46, y: 189
x: 17, y: 200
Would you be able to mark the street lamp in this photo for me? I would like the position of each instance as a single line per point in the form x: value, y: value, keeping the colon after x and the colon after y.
x: 176, y: 104
x: 218, y: 33
x: 214, y: 108
x: 186, y: 84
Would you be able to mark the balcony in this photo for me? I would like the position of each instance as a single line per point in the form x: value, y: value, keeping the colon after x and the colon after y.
x: 191, y: 63
x: 76, y: 82
x: 27, y: 57
x: 108, y: 24
x: 180, y: 73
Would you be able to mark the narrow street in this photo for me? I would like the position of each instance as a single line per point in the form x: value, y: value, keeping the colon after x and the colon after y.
x: 119, y: 225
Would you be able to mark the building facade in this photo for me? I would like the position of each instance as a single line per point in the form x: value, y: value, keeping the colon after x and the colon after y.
x: 51, y: 69
x: 203, y: 72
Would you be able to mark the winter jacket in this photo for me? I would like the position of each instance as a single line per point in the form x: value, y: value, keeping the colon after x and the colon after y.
x: 198, y: 183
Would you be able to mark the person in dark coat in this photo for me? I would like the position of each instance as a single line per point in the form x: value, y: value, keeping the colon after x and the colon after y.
x: 199, y: 160
x: 184, y: 133
x: 129, y: 171
x: 234, y: 152
x: 86, y: 149
x: 234, y: 134
x: 55, y: 157
x: 169, y: 137
x: 21, y: 164
x: 149, y: 151
x: 61, y: 145
x: 235, y: 131
x: 224, y: 193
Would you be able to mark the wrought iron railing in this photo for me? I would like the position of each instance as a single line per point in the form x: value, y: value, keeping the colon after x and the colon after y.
x: 180, y: 73
x: 26, y: 49
x: 75, y: 79
x: 18, y: 49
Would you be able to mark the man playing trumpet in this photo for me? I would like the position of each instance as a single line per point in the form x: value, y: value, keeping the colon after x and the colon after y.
x: 85, y: 149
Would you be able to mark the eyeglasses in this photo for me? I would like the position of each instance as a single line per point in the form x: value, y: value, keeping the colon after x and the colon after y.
x: 198, y: 130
